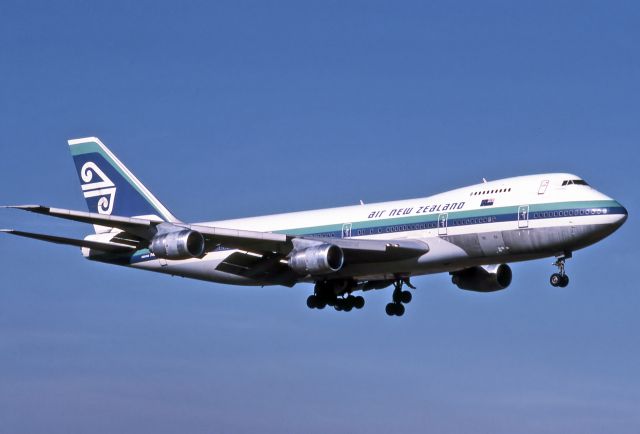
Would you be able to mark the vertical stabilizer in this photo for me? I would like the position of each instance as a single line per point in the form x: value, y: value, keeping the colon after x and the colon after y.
x: 109, y: 187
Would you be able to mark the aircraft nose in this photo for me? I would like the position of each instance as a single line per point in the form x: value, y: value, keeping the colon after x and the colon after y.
x: 624, y: 214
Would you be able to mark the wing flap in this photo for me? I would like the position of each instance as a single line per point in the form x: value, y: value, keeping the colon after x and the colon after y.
x: 263, y: 268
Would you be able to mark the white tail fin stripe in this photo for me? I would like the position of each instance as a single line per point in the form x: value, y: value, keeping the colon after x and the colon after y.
x: 105, y: 203
x: 87, y: 172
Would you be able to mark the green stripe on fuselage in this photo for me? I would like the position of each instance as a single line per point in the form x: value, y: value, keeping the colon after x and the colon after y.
x: 429, y: 218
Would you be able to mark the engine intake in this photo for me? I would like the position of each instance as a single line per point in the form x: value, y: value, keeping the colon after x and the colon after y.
x: 486, y: 278
x: 178, y: 245
x: 316, y: 260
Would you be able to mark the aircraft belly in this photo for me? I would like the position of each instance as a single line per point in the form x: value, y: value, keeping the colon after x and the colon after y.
x: 201, y: 269
x: 492, y: 243
x: 470, y: 243
x: 510, y: 245
x: 528, y: 240
x: 544, y: 240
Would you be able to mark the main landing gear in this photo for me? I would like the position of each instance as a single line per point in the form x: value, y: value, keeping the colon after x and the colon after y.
x: 560, y: 278
x: 400, y: 298
x: 339, y: 303
x: 338, y: 294
x: 325, y: 294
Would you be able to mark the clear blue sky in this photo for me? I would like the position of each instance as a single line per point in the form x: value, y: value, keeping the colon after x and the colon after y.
x: 233, y: 109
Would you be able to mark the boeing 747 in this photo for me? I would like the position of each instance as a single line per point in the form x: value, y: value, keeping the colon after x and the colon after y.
x: 472, y: 233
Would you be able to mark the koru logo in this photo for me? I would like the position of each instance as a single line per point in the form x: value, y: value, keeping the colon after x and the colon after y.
x: 102, y: 187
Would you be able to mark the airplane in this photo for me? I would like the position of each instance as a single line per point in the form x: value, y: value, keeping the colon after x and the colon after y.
x: 472, y: 233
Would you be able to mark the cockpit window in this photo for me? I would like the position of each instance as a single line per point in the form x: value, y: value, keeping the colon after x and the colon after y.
x: 574, y: 182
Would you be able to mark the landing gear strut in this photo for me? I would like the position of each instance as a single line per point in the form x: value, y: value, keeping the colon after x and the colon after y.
x: 400, y: 298
x: 560, y: 278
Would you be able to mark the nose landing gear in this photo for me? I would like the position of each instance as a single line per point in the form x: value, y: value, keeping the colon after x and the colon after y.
x: 400, y: 298
x: 560, y: 278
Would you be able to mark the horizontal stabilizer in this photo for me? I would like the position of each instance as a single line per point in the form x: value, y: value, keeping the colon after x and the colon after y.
x: 97, y: 245
x: 136, y: 226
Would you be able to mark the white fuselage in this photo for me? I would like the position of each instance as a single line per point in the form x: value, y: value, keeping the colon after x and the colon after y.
x: 501, y: 221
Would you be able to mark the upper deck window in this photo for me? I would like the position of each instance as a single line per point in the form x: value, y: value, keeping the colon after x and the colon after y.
x: 574, y: 182
x: 498, y: 190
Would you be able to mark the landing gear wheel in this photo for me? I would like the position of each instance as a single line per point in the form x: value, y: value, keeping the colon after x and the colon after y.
x: 556, y: 279
x: 559, y: 280
x: 564, y: 281
x: 320, y: 303
x: 312, y: 302
x: 399, y: 297
x: 358, y: 302
x: 405, y: 297
x: 390, y: 308
x: 396, y: 309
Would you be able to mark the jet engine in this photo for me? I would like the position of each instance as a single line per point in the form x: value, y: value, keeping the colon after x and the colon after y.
x: 316, y: 260
x: 487, y: 278
x: 178, y: 245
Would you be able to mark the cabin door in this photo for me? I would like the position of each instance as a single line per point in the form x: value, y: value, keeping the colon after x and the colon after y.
x: 523, y: 216
x: 442, y: 224
x: 346, y: 230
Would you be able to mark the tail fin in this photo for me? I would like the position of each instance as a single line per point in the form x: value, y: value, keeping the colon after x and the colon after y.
x: 109, y: 187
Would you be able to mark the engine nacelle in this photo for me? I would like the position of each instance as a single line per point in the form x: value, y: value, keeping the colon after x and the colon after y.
x: 317, y: 260
x: 486, y: 278
x: 178, y: 245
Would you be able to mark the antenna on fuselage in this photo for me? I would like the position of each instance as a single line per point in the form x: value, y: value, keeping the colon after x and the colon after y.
x: 484, y: 180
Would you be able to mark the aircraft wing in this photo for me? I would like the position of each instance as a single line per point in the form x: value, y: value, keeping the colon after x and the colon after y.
x: 262, y: 243
x: 253, y: 241
x: 147, y: 229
